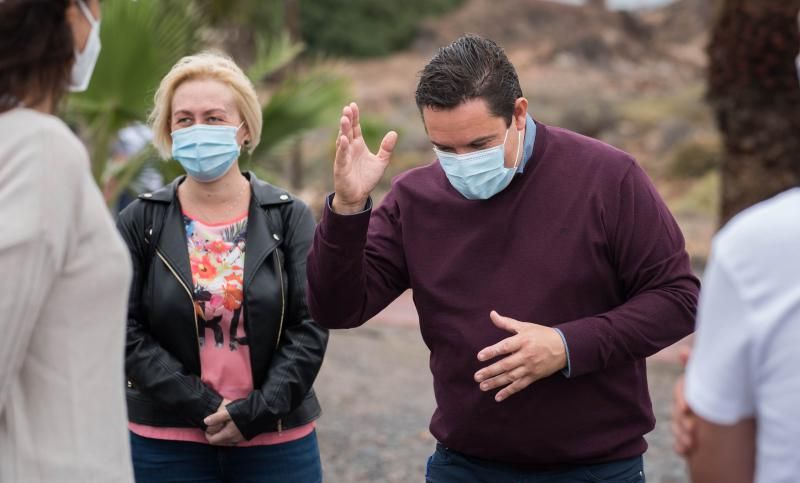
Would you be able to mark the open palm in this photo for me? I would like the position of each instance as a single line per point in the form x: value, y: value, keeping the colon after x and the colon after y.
x: 356, y: 170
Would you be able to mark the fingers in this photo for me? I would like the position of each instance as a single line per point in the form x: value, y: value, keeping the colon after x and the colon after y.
x: 683, y: 434
x: 356, y: 120
x: 514, y: 388
x: 387, y: 146
x: 342, y: 145
x: 214, y: 429
x: 506, y: 346
x: 346, y: 124
x: 220, y: 417
x: 225, y: 437
x: 345, y: 136
x: 683, y: 421
x: 506, y: 364
x: 504, y: 379
x: 505, y: 323
x: 679, y: 404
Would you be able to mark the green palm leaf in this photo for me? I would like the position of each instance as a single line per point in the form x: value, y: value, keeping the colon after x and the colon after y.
x: 301, y: 104
x: 141, y: 41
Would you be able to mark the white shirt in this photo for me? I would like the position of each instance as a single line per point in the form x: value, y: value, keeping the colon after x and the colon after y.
x: 64, y: 280
x: 746, y: 358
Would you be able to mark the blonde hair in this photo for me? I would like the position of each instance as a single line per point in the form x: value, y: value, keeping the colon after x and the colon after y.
x: 205, y: 65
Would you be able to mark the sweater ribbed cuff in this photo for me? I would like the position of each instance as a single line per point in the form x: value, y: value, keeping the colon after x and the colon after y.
x: 344, y: 230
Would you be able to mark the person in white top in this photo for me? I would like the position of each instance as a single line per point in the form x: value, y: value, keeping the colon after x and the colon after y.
x: 742, y: 381
x: 65, y: 272
x: 736, y: 416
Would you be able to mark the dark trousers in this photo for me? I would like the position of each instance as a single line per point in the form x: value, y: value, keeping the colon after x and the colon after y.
x: 447, y: 466
x: 160, y: 461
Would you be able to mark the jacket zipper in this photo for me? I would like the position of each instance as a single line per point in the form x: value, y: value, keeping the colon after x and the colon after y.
x: 283, y: 308
x: 283, y: 296
x: 191, y: 298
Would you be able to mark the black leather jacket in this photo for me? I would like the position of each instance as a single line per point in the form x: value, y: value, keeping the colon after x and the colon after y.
x: 162, y: 358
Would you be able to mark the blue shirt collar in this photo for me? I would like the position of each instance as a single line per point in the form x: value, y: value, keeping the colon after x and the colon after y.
x: 530, y: 140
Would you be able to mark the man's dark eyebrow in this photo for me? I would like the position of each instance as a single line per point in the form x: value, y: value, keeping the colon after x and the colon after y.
x: 479, y: 140
x: 482, y: 139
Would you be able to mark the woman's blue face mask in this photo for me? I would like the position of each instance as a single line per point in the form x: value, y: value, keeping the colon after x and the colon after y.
x: 206, y: 152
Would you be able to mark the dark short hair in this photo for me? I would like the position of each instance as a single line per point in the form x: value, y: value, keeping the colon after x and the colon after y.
x: 472, y: 67
x: 36, y: 51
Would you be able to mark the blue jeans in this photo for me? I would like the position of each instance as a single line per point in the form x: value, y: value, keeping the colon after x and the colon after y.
x: 161, y: 461
x: 447, y: 466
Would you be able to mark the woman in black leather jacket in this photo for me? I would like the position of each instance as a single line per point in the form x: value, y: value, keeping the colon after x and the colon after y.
x: 221, y: 351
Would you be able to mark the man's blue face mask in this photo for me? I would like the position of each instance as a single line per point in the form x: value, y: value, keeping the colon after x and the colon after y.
x: 479, y: 175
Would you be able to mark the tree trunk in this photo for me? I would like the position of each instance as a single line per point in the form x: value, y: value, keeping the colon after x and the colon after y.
x: 754, y: 90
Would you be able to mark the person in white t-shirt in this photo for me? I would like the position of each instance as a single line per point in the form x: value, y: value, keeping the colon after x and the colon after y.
x: 742, y: 422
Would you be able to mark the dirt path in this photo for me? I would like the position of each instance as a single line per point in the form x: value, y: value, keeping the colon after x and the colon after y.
x: 376, y: 393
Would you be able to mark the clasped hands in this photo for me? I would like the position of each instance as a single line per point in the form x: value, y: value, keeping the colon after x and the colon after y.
x: 221, y: 430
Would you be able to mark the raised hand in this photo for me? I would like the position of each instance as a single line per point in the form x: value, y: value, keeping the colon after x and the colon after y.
x: 356, y: 171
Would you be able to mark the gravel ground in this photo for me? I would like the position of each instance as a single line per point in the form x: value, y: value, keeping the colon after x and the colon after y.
x: 377, y: 397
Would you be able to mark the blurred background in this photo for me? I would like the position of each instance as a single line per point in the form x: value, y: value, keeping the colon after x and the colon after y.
x: 704, y: 93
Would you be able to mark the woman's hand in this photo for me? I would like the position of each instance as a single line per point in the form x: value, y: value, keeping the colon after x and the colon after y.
x: 221, y: 430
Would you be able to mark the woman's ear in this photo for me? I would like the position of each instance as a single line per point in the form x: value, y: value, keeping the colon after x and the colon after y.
x: 245, y: 133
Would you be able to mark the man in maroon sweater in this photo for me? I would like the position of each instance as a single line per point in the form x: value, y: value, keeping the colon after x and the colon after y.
x: 544, y: 265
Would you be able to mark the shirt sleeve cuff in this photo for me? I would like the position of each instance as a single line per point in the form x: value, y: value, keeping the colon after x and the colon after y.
x: 344, y: 232
x: 329, y: 203
x: 567, y: 371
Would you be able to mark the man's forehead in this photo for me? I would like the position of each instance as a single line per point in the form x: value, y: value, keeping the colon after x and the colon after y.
x: 465, y: 123
x: 472, y: 108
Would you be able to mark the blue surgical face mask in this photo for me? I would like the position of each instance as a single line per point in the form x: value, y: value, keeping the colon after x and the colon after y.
x: 86, y: 59
x: 479, y: 175
x: 206, y: 152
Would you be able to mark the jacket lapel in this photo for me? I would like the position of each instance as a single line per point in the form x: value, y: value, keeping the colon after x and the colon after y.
x: 172, y: 243
x: 261, y: 240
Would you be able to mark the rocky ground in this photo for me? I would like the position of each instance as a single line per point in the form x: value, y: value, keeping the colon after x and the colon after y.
x: 375, y: 388
x: 633, y: 80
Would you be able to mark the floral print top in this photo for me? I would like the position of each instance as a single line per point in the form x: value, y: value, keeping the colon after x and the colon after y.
x: 216, y: 255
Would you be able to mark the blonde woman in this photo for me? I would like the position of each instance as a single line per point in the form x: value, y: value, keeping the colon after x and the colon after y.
x: 221, y: 350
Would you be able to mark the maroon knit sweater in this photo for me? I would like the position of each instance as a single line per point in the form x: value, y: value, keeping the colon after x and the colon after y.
x: 580, y: 241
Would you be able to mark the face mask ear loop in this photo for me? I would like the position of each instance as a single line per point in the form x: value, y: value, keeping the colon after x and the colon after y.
x: 87, y: 12
x: 246, y: 142
x: 519, y: 143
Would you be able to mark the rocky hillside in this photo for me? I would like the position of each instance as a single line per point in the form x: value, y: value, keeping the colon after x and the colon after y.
x: 633, y: 79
